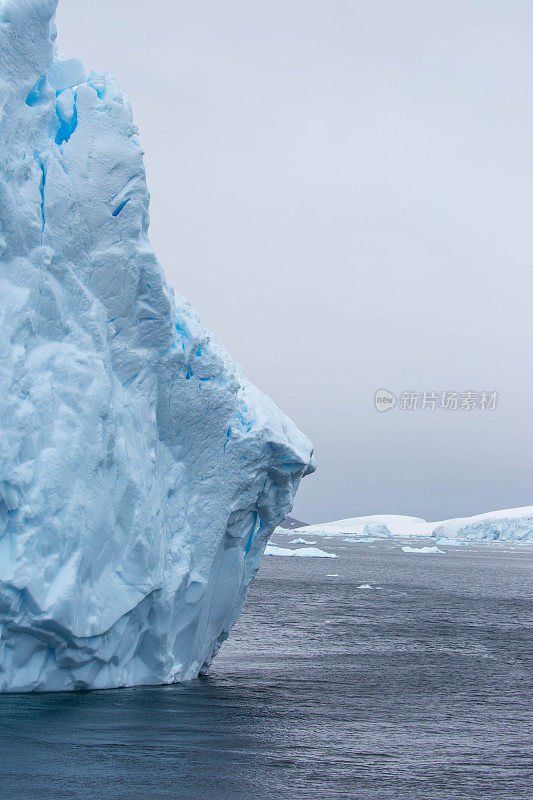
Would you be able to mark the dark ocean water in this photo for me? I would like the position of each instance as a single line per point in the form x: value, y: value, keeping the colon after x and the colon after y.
x: 419, y: 690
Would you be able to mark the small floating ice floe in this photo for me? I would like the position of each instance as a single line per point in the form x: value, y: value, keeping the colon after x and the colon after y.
x: 302, y: 552
x: 422, y: 550
x: 360, y: 540
x: 301, y: 541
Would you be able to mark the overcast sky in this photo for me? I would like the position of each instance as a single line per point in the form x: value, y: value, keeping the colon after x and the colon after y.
x: 343, y: 189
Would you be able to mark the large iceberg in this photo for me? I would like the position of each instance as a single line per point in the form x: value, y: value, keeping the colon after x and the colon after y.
x: 140, y: 473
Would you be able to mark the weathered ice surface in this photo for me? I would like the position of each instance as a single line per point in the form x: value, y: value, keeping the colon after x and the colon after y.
x: 140, y: 473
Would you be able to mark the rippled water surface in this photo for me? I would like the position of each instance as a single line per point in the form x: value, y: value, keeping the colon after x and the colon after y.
x: 418, y: 690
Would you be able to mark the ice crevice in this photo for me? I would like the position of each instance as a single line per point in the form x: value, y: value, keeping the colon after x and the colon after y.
x: 131, y: 524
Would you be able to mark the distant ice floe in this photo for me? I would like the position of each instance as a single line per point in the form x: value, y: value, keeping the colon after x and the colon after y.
x: 301, y: 541
x: 302, y: 552
x: 424, y: 550
x: 508, y: 525
x: 368, y: 586
x: 360, y: 540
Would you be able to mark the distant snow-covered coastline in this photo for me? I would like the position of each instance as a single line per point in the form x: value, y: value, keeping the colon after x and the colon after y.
x: 507, y: 525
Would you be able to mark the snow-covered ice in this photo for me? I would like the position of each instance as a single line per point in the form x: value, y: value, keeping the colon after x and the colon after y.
x: 422, y: 550
x: 511, y: 524
x: 381, y: 526
x: 301, y: 541
x: 140, y: 473
x: 303, y: 552
x: 508, y: 525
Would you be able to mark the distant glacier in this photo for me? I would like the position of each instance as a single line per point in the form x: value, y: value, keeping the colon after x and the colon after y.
x: 508, y: 525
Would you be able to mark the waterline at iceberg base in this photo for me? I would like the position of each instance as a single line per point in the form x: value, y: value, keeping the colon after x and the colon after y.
x: 140, y: 473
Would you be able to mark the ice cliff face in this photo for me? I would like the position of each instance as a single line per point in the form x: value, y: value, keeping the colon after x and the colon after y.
x: 140, y: 473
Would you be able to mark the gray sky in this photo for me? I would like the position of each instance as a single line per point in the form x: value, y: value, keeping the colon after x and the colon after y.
x: 344, y: 191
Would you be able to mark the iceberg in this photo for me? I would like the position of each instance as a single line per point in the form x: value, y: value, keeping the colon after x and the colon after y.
x: 141, y: 474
